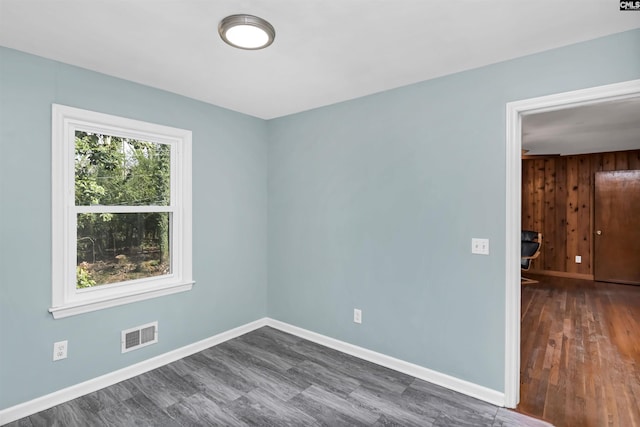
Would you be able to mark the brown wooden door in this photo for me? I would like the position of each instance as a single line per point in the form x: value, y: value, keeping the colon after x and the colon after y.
x: 617, y: 227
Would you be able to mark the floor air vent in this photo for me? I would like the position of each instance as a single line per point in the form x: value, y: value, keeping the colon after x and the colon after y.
x: 139, y: 336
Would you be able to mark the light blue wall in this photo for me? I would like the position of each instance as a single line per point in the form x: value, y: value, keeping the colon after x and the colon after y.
x: 373, y: 204
x: 229, y: 222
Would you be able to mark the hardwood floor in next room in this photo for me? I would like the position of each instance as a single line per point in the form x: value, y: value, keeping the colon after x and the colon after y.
x: 270, y: 378
x: 580, y: 352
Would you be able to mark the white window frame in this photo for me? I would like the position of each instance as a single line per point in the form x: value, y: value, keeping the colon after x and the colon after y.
x: 67, y: 300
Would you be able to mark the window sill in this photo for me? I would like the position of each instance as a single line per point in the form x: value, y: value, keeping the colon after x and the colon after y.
x: 75, y: 308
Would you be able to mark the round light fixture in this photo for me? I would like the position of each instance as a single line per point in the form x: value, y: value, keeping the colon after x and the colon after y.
x: 246, y: 32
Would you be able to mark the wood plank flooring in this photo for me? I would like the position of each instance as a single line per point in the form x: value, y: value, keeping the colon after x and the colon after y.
x: 580, y: 352
x: 270, y: 378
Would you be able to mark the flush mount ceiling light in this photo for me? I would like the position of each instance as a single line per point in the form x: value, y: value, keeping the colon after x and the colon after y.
x: 246, y: 32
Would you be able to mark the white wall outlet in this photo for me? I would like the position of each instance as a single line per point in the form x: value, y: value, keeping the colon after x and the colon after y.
x: 480, y: 246
x: 357, y: 315
x: 578, y: 259
x: 60, y: 350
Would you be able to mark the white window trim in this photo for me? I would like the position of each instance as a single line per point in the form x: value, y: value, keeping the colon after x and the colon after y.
x: 66, y: 299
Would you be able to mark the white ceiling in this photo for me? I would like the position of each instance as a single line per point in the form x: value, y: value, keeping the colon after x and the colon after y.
x: 325, y: 51
x: 607, y: 126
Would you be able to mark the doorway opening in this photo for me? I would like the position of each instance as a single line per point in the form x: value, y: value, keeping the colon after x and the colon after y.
x: 515, y: 113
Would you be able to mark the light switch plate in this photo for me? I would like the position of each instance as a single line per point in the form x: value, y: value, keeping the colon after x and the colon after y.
x: 480, y: 246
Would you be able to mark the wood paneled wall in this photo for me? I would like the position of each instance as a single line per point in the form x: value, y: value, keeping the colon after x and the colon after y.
x: 557, y: 200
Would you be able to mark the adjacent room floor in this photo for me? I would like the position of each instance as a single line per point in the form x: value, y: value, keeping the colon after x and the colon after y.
x: 580, y: 352
x: 270, y: 378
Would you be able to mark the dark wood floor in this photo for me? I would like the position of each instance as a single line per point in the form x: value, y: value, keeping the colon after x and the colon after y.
x: 580, y: 352
x: 270, y: 378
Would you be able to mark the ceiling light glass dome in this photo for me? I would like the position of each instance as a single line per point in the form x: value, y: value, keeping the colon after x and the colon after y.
x: 246, y: 32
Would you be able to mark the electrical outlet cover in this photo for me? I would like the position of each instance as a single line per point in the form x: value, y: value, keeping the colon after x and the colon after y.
x: 60, y: 350
x: 357, y: 315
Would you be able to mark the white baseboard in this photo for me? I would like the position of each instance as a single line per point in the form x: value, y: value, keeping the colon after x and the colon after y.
x: 66, y: 394
x: 465, y: 387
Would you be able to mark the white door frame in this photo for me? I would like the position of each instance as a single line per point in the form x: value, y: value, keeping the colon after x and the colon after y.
x: 515, y: 111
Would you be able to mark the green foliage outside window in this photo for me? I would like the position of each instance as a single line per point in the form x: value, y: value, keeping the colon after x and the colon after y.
x: 115, y: 171
x: 84, y: 279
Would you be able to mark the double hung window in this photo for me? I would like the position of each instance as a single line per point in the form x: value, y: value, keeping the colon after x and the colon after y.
x: 121, y: 210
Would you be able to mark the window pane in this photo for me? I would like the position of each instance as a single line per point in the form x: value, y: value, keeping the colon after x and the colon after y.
x: 114, y: 248
x: 110, y: 170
